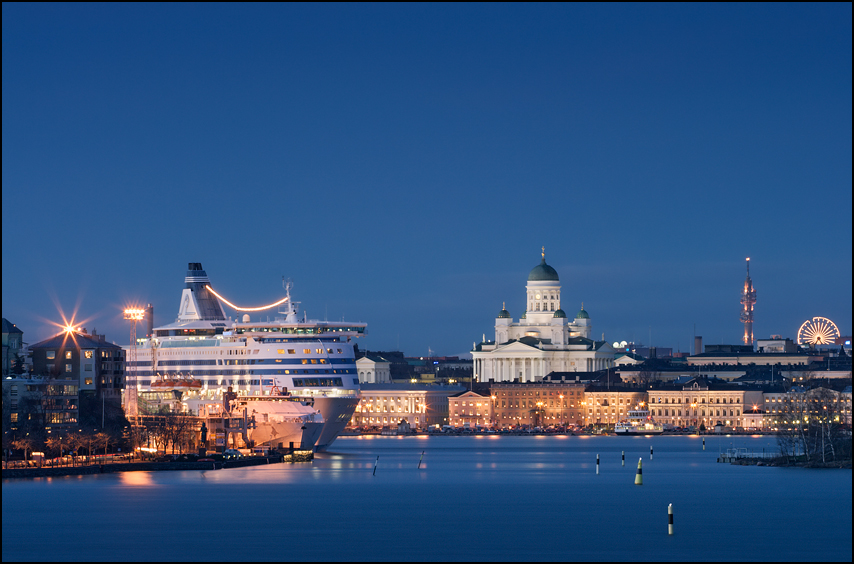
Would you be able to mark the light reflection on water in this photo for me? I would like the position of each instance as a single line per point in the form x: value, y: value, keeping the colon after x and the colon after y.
x: 505, y: 498
x: 136, y: 478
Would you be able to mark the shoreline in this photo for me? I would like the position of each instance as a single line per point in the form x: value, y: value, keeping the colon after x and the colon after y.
x: 781, y: 462
x: 110, y: 468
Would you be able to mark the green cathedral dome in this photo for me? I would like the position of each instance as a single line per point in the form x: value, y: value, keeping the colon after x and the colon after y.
x: 543, y: 272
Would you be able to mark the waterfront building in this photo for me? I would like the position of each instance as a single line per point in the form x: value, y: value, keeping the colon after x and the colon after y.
x: 373, y: 369
x: 701, y: 402
x: 538, y: 403
x: 41, y: 403
x: 796, y: 404
x: 419, y: 405
x: 753, y: 418
x: 96, y: 365
x: 470, y: 409
x: 607, y: 406
x: 543, y: 340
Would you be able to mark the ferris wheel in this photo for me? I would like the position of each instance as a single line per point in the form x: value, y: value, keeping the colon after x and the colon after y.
x: 818, y: 331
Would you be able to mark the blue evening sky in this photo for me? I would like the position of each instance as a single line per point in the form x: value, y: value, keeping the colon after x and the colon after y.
x: 403, y: 164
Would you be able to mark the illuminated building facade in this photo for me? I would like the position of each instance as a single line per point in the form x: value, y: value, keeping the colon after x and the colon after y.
x: 543, y: 340
x: 538, y: 404
x: 607, y: 407
x: 41, y: 403
x: 783, y: 409
x: 470, y: 409
x: 699, y: 402
x: 96, y: 365
x: 373, y: 369
x: 748, y: 300
x: 419, y: 405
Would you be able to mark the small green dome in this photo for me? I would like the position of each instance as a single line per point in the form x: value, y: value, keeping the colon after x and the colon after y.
x: 543, y: 272
x: 560, y: 313
x: 582, y: 314
x: 503, y: 314
x: 525, y: 315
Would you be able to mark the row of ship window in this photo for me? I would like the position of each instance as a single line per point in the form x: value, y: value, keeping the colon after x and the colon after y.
x: 298, y: 382
x: 242, y: 372
x: 308, y: 351
x: 235, y: 362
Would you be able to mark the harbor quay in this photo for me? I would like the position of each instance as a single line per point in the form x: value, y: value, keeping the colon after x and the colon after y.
x: 699, y: 405
x: 209, y: 383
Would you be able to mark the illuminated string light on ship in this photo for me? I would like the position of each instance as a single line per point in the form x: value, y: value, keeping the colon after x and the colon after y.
x: 228, y: 303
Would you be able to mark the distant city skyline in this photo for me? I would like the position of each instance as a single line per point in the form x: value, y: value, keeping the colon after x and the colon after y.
x: 404, y: 165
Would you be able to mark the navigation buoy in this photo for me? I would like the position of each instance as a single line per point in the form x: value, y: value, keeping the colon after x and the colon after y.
x: 597, y: 463
x: 639, y: 475
x: 624, y: 458
x: 375, y: 465
x: 650, y: 452
x: 422, y: 458
x: 670, y: 519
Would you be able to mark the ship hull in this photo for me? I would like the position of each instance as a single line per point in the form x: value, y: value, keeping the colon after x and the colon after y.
x: 638, y: 432
x: 282, y: 434
x: 337, y: 412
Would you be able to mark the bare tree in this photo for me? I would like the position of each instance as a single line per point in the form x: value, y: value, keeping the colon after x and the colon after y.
x: 647, y: 376
x: 813, y: 424
x: 24, y: 443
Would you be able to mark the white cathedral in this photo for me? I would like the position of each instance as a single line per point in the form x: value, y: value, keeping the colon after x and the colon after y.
x: 543, y: 341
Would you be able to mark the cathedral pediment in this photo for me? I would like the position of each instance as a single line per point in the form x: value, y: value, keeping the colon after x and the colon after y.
x: 518, y: 347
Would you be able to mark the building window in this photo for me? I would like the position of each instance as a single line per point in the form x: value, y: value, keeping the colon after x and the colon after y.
x: 68, y: 355
x: 68, y: 368
x: 88, y: 354
x: 88, y: 368
x: 51, y: 355
x: 88, y: 381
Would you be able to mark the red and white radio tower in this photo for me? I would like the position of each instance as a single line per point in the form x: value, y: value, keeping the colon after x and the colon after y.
x: 748, y: 299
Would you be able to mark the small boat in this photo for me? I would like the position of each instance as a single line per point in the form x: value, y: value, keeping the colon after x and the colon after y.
x: 639, y: 422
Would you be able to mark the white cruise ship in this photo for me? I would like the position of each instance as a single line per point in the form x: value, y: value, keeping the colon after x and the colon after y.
x: 208, y: 353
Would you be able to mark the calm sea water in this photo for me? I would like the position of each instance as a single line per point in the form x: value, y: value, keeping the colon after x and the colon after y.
x: 474, y: 498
